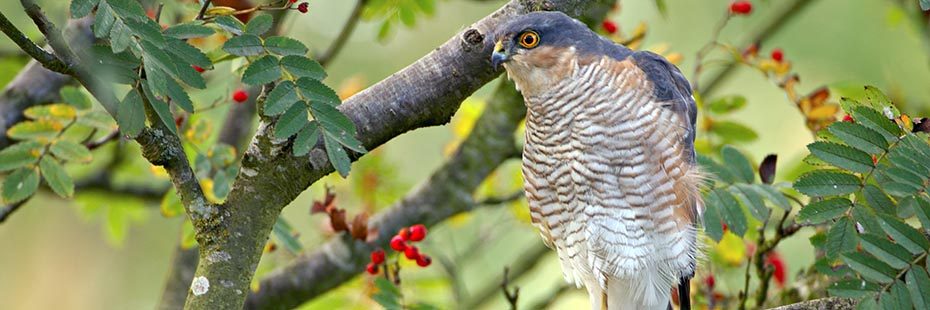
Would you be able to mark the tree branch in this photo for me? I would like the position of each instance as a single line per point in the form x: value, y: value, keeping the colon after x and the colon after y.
x: 830, y: 303
x: 344, y: 35
x: 7, y: 210
x: 47, y: 60
x: 527, y: 261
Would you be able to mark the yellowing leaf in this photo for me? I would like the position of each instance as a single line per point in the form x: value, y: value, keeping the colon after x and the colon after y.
x: 207, y: 186
x: 220, y: 11
x: 731, y: 249
x: 159, y: 172
x: 57, y: 111
x: 42, y: 130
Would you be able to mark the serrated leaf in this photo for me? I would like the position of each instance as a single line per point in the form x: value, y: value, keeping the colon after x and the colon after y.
x: 922, y: 210
x: 30, y: 130
x: 773, y: 195
x: 103, y: 20
x: 904, y: 234
x: 841, y: 237
x: 20, y: 184
x: 824, y: 210
x: 131, y: 114
x: 300, y: 66
x: 897, y: 297
x: 259, y: 24
x: 230, y: 24
x: 719, y: 171
x: 71, y: 151
x: 285, y: 46
x: 874, y: 120
x: 868, y: 302
x: 120, y: 37
x: 892, y: 254
x: 751, y: 199
x: 731, y: 131
x: 738, y: 163
x: 904, y: 176
x: 869, y: 267
x: 97, y: 119
x: 388, y: 296
x: 262, y: 71
x: 866, y: 220
x: 820, y: 183
x: 285, y: 234
x: 852, y: 288
x: 842, y: 156
x: 189, y: 31
x: 727, y: 104
x: 179, y: 96
x: 244, y: 45
x: 337, y: 155
x: 306, y: 139
x: 146, y: 29
x: 80, y: 8
x: 75, y: 97
x: 877, y: 199
x: 919, y: 285
x: 127, y: 8
x: 291, y: 121
x: 315, y: 91
x: 859, y: 137
x: 161, y: 109
x: 731, y: 212
x: 712, y: 218
x: 281, y: 98
x: 56, y: 177
x: 188, y: 53
x: 56, y: 112
x: 336, y: 125
x: 19, y: 155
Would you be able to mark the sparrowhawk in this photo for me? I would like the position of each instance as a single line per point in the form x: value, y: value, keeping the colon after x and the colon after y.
x: 609, y: 161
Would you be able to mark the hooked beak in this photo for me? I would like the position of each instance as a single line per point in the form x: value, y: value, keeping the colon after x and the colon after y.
x: 499, y: 56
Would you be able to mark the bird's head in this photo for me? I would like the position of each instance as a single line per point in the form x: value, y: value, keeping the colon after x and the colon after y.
x: 537, y: 48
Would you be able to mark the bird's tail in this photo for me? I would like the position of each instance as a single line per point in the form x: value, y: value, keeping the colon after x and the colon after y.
x: 622, y: 295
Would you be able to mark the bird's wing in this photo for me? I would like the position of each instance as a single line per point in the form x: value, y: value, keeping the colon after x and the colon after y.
x: 672, y: 88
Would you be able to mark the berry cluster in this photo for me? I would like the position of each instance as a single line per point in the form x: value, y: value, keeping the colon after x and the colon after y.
x: 402, y: 242
x: 303, y: 7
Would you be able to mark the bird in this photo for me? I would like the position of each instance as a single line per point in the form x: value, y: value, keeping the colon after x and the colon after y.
x: 609, y: 165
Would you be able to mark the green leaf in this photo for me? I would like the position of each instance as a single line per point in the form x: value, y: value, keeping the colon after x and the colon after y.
x: 291, y: 121
x: 731, y: 212
x: 738, y: 163
x: 866, y: 220
x: 179, y: 96
x: 388, y: 296
x: 189, y: 31
x: 80, y: 8
x: 30, y: 130
x: 19, y: 155
x: 186, y: 54
x: 188, y: 235
x: 712, y: 219
x: 161, y: 109
x: 20, y: 184
x: 146, y: 29
x: 904, y: 176
x: 874, y: 120
x: 919, y: 285
x: 336, y: 125
x: 892, y: 254
x: 820, y: 183
x: 904, y: 234
x: 315, y: 91
x: 120, y: 37
x: 59, y: 112
x: 925, y: 5
x: 127, y: 8
x: 230, y: 24
x: 103, y: 20
x: 897, y: 297
x: 735, y: 132
x: 259, y: 24
x: 841, y: 237
x: 859, y: 137
x: 281, y: 98
x: 300, y: 66
x: 244, y: 45
x: 842, y: 156
x: 56, y: 177
x: 97, y: 119
x: 171, y: 205
x: 719, y: 171
x: 773, y: 195
x: 869, y: 267
x: 285, y: 234
x: 130, y: 115
x: 877, y: 199
x: 285, y: 46
x: 751, y: 199
x: 306, y: 139
x: 71, y: 151
x: 852, y: 288
x: 75, y: 97
x: 727, y: 104
x: 922, y: 209
x: 337, y: 155
x: 262, y: 71
x: 824, y: 210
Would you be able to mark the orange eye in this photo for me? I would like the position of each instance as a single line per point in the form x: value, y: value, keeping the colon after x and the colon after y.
x: 529, y: 39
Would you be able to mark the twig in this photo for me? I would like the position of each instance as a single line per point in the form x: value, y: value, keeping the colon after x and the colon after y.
x: 490, y: 201
x: 45, y: 58
x: 7, y: 210
x: 551, y: 298
x: 511, y: 296
x: 92, y: 145
x: 344, y: 35
x: 203, y: 9
x: 528, y: 261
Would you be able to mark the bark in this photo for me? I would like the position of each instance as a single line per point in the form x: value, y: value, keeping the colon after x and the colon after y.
x: 830, y: 303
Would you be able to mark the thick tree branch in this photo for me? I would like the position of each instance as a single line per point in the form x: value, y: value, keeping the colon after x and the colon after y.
x: 830, y: 303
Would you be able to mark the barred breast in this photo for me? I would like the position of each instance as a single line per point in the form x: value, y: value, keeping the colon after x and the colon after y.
x: 606, y: 181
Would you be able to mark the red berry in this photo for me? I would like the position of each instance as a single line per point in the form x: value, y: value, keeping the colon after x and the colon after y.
x: 848, y: 118
x: 240, y: 96
x: 293, y: 1
x: 377, y: 256
x: 304, y: 7
x: 404, y: 233
x: 609, y: 26
x: 197, y: 68
x: 417, y: 232
x: 709, y: 281
x: 397, y: 243
x: 874, y: 160
x: 778, y: 266
x: 778, y: 55
x: 424, y: 261
x: 411, y: 252
x: 724, y: 226
x: 741, y: 7
x: 372, y: 268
